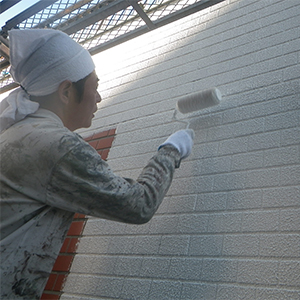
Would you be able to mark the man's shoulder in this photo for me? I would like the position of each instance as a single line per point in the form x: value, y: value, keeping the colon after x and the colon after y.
x: 40, y: 133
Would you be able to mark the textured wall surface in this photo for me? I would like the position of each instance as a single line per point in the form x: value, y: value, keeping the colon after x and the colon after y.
x: 229, y: 226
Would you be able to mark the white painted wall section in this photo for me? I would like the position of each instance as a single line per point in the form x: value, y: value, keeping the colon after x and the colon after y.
x: 229, y: 226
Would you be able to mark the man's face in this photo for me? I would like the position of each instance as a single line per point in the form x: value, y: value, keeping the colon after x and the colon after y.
x: 82, y: 112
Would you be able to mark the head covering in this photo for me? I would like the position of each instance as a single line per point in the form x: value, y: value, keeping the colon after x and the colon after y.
x: 40, y: 60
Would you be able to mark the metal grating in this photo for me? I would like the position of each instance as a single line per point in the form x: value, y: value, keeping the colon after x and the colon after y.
x: 95, y: 24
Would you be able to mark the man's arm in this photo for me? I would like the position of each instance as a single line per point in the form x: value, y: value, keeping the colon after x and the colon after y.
x: 82, y: 182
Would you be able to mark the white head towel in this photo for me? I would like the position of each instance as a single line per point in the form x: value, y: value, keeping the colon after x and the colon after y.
x: 40, y: 60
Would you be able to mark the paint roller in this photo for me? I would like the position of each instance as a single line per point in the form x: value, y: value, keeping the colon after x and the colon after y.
x: 197, y: 101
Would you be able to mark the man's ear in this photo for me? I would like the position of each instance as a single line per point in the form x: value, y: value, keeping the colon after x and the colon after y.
x: 65, y: 91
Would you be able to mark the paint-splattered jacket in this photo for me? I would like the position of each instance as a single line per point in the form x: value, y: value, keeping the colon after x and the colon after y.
x: 47, y: 174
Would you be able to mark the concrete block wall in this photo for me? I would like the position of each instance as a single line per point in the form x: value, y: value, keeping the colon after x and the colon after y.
x: 229, y: 226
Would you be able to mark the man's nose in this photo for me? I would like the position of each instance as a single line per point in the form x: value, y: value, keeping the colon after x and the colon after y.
x: 99, y: 99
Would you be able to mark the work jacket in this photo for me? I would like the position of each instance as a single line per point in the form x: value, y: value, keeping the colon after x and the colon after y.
x: 48, y: 173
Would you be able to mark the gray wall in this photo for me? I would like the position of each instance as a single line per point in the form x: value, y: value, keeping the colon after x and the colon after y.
x: 229, y: 226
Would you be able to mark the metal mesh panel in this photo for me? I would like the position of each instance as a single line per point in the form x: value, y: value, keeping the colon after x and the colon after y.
x: 93, y: 35
x: 107, y: 29
x: 165, y: 8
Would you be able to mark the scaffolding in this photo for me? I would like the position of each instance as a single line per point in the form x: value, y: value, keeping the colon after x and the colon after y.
x: 96, y: 24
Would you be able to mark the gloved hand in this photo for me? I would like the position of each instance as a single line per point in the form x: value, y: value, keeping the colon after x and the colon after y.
x: 182, y: 140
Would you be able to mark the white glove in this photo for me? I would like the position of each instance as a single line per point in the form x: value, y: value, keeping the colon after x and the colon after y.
x: 182, y: 140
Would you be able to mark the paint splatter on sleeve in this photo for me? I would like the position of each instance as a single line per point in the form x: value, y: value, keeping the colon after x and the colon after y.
x: 84, y: 183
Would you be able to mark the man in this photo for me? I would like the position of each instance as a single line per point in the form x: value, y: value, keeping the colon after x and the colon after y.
x: 48, y: 172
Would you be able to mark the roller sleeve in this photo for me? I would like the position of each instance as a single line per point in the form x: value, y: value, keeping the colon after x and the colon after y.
x: 200, y: 100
